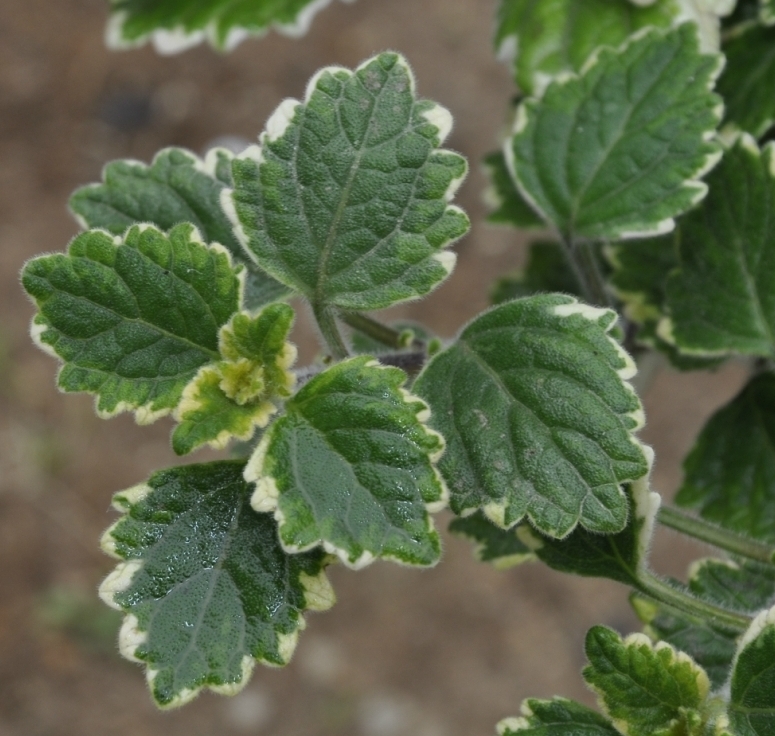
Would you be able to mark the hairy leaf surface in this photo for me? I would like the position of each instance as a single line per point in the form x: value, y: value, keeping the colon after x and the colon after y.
x: 177, y: 187
x: 508, y: 205
x: 647, y: 690
x: 721, y: 299
x: 175, y: 25
x: 133, y: 318
x: 502, y: 547
x: 556, y: 717
x: 350, y: 466
x: 729, y: 476
x: 346, y: 199
x: 534, y: 403
x: 617, y: 151
x: 206, y: 587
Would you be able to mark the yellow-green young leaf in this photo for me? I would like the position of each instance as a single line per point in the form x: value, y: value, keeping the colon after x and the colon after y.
x: 556, y: 717
x: 617, y: 151
x: 133, y: 318
x: 350, y: 466
x: 177, y: 187
x: 508, y: 205
x: 538, y: 415
x: 647, y: 690
x: 542, y: 39
x: 205, y: 585
x: 721, y: 299
x: 346, y: 199
x: 501, y: 547
x: 752, y: 688
x: 729, y: 476
x: 175, y: 25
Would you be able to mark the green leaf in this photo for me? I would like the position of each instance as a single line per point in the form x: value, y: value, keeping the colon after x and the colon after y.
x: 739, y: 585
x: 617, y: 151
x: 508, y: 205
x: 767, y: 12
x: 545, y: 38
x: 175, y: 25
x: 350, y: 465
x: 346, y: 198
x: 710, y: 647
x: 206, y: 587
x: 621, y: 557
x: 501, y: 547
x: 748, y: 76
x: 133, y: 318
x: 547, y: 270
x: 752, y: 692
x: 729, y: 476
x: 647, y: 690
x: 534, y: 403
x: 720, y: 299
x: 556, y: 717
x: 177, y: 187
x: 234, y: 397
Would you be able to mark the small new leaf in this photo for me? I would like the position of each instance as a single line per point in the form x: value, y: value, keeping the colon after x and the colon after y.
x: 648, y: 690
x: 556, y: 717
x: 721, y: 300
x: 501, y: 547
x: 177, y: 187
x: 752, y: 691
x: 617, y: 151
x: 350, y: 466
x: 205, y: 586
x: 235, y: 396
x: 729, y: 476
x: 539, y: 419
x: 134, y: 317
x: 176, y: 25
x: 346, y: 199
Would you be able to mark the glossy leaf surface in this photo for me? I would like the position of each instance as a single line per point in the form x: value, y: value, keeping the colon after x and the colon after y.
x: 617, y: 151
x: 346, y: 199
x: 133, y: 318
x: 350, y: 466
x: 206, y: 587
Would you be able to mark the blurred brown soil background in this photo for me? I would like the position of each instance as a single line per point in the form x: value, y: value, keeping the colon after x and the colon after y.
x: 444, y: 652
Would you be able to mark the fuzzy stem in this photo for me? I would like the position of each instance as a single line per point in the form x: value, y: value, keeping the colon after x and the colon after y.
x: 378, y: 331
x: 705, y: 531
x: 330, y: 331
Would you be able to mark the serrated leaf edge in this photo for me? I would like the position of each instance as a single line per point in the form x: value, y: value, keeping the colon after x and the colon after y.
x: 492, y: 199
x: 265, y: 498
x: 480, y: 546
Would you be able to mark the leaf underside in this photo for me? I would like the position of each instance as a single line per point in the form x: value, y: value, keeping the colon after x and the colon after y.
x: 502, y: 547
x: 133, y: 318
x: 556, y: 717
x: 346, y: 199
x: 533, y: 402
x: 350, y: 466
x: 177, y: 187
x: 206, y: 587
x: 617, y: 151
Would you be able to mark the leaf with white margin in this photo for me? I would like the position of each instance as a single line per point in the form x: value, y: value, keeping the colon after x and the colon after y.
x: 539, y: 418
x: 767, y: 12
x: 546, y: 38
x: 350, y: 466
x: 720, y: 300
x: 176, y: 25
x: 747, y: 78
x: 346, y: 199
x: 646, y: 689
x: 556, y: 717
x: 621, y: 557
x: 205, y: 586
x: 133, y: 318
x: 177, y: 187
x: 752, y: 688
x: 501, y: 547
x: 502, y: 196
x: 729, y: 475
x: 617, y: 151
x: 738, y: 585
x: 233, y: 397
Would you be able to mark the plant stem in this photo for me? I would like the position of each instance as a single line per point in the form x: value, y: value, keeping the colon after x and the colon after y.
x: 705, y: 531
x: 330, y: 331
x: 583, y: 260
x: 378, y: 331
x: 661, y: 591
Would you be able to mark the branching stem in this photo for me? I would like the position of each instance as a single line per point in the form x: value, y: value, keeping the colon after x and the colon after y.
x: 329, y: 329
x: 719, y: 537
x: 378, y: 331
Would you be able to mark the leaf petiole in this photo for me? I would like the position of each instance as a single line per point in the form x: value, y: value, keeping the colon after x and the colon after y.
x: 329, y: 330
x: 584, y: 263
x: 379, y: 331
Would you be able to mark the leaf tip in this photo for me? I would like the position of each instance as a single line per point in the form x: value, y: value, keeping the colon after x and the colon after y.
x: 319, y: 594
x: 130, y: 638
x: 118, y: 581
x: 441, y: 119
